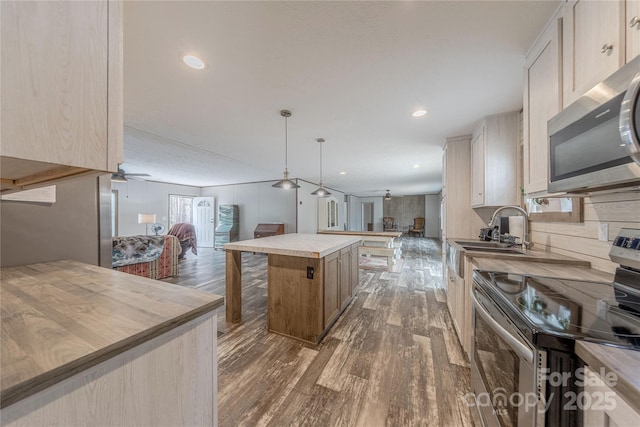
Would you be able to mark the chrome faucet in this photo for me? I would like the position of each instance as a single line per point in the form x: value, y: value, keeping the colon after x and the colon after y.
x: 525, y: 224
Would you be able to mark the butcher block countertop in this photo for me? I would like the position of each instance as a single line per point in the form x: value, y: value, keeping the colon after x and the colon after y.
x: 542, y: 269
x: 363, y: 233
x: 624, y: 363
x: 60, y: 318
x: 294, y: 244
x: 530, y: 255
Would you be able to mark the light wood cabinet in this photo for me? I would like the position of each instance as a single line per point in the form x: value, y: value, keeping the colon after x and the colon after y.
x: 593, y: 40
x: 477, y: 168
x: 632, y: 25
x: 542, y: 100
x: 348, y: 274
x: 494, y: 163
x: 456, y: 301
x: 307, y: 295
x: 332, y: 277
x: 458, y: 218
x: 61, y: 90
x: 603, y: 407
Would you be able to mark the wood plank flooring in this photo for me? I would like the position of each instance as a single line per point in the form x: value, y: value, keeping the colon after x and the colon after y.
x: 392, y: 359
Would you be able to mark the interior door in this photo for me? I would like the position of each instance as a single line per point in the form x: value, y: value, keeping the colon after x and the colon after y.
x: 204, y: 220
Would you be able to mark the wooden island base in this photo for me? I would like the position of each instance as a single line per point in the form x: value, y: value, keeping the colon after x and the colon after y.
x: 308, y: 288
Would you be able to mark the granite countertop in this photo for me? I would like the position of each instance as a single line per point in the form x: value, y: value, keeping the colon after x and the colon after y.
x: 530, y: 255
x: 294, y: 244
x: 624, y: 363
x: 60, y: 318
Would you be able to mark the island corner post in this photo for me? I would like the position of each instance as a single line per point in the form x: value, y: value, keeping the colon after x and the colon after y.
x: 233, y: 286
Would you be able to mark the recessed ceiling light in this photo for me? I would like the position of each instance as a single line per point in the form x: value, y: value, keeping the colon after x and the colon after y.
x: 419, y: 113
x: 193, y: 62
x: 343, y: 173
x: 416, y: 166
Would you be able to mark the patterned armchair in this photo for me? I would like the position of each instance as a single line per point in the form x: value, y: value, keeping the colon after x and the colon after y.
x: 140, y: 262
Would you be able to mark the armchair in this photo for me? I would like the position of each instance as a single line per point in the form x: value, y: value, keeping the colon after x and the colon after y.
x: 388, y: 225
x: 418, y: 227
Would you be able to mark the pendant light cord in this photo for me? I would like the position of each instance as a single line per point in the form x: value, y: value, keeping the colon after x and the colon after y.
x: 286, y: 145
x: 321, y: 164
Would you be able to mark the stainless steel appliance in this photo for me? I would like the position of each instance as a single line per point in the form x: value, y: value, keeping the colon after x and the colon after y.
x: 524, y: 371
x: 594, y: 141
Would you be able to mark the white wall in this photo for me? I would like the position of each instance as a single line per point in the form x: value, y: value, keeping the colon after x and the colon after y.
x: 258, y: 203
x: 355, y: 214
x: 432, y: 215
x: 67, y: 229
x: 136, y: 197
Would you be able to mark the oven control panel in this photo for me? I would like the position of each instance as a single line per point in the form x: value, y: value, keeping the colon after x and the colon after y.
x: 626, y: 248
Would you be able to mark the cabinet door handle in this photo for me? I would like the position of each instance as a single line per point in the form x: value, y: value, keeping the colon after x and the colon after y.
x: 634, y: 21
x: 606, y: 48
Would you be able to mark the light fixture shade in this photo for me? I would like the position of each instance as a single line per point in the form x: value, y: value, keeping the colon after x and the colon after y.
x: 286, y: 182
x: 387, y: 196
x: 146, y: 218
x: 321, y: 191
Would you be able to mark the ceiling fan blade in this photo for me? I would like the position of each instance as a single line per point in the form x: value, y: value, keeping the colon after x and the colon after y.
x: 136, y: 174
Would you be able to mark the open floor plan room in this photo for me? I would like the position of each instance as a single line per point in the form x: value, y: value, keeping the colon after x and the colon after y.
x: 392, y: 358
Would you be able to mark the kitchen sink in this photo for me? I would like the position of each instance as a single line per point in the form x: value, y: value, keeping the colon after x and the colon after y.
x: 496, y: 250
x: 482, y: 244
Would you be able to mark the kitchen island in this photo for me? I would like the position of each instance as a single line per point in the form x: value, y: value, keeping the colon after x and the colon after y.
x: 311, y: 280
x: 86, y: 345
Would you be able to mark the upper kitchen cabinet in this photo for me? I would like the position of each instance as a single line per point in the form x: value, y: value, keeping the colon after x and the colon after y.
x: 593, y: 44
x: 494, y: 161
x: 542, y: 100
x: 61, y: 90
x: 458, y: 219
x: 633, y: 29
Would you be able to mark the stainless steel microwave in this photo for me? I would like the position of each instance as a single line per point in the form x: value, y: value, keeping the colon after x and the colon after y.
x: 593, y: 143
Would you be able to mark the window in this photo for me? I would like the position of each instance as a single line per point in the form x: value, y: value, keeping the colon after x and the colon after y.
x: 180, y: 209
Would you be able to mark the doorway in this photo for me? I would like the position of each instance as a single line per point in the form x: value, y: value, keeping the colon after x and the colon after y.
x: 197, y: 211
x: 204, y: 221
x: 367, y: 216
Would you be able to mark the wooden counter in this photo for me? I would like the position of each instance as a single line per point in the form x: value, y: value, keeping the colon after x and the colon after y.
x: 624, y: 363
x: 293, y: 244
x: 61, y: 318
x: 530, y: 255
x: 311, y: 280
x: 541, y: 269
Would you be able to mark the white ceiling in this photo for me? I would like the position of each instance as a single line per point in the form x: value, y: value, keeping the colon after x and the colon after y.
x: 350, y: 72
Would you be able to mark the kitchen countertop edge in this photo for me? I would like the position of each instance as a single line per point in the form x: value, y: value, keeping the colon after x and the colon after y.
x: 44, y: 380
x: 624, y: 363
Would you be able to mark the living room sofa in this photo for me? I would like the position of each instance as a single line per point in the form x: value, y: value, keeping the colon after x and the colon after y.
x: 155, y: 257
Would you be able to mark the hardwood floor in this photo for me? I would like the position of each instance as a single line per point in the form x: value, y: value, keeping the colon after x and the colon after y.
x: 391, y: 359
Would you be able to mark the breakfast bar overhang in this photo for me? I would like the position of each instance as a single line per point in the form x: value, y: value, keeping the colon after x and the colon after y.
x: 311, y: 280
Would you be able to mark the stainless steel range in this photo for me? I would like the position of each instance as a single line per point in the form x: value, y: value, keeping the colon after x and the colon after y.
x: 524, y: 371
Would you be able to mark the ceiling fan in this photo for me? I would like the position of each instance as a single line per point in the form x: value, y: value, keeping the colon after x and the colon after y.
x: 121, y: 175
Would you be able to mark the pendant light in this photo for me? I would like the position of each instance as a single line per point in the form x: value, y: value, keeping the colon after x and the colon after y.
x: 286, y: 182
x: 387, y: 196
x: 321, y: 191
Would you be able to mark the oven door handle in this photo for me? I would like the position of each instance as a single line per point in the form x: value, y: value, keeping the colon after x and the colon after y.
x: 521, y: 349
